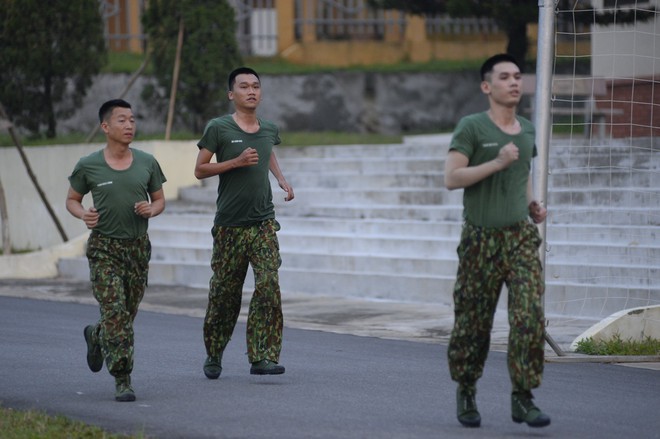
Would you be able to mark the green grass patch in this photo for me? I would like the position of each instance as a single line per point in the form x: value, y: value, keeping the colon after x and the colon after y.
x: 125, y: 62
x: 293, y: 138
x: 16, y: 252
x: 16, y: 424
x: 569, y: 126
x: 618, y: 346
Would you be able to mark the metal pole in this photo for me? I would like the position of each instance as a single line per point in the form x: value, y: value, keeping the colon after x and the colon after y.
x: 542, y: 121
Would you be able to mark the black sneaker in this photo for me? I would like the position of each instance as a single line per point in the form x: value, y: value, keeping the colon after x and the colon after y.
x: 213, y: 367
x: 524, y: 410
x: 466, y: 408
x: 94, y: 355
x: 123, y: 390
x: 266, y: 367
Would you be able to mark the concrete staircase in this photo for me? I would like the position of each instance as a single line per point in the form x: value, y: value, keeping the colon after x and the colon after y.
x: 375, y: 221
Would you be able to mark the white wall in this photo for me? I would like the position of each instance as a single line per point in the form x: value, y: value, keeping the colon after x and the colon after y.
x: 626, y: 51
x: 31, y: 226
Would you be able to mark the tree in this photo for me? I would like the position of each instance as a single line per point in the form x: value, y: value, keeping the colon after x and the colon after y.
x: 209, y: 53
x: 49, y: 53
x: 512, y: 16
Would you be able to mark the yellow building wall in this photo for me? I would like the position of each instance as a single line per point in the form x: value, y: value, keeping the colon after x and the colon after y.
x: 411, y: 45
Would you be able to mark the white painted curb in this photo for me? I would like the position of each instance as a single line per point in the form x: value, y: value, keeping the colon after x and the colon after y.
x: 43, y: 263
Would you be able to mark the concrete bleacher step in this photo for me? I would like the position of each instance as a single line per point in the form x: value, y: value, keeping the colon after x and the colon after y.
x: 434, y: 147
x: 425, y: 287
x: 422, y: 286
x: 375, y: 165
x: 603, y: 252
x: 627, y: 234
x: 375, y: 221
x: 605, y: 178
x: 388, y: 195
x: 427, y: 282
x: 177, y: 227
x: 576, y: 298
x: 402, y: 247
x: 605, y: 216
x: 378, y: 211
x: 601, y: 273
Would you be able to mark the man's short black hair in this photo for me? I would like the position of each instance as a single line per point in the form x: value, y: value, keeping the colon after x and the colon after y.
x: 107, y: 107
x: 240, y: 71
x: 487, y: 66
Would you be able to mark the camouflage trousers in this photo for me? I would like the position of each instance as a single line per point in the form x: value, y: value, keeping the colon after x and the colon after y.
x: 234, y: 248
x: 118, y: 270
x: 488, y: 259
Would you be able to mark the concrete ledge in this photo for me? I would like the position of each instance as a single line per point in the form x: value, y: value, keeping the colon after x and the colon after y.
x: 630, y: 324
x: 43, y: 263
x: 30, y: 226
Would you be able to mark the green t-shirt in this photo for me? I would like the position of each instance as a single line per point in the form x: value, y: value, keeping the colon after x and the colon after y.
x: 116, y: 192
x: 501, y: 199
x: 244, y: 194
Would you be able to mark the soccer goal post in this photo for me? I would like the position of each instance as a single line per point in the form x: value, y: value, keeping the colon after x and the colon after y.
x: 597, y: 113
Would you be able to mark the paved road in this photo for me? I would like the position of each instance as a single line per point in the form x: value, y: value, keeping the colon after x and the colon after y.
x: 336, y: 385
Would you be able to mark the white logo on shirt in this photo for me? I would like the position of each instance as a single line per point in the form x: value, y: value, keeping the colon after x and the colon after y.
x: 237, y: 141
x: 490, y: 145
x: 105, y: 183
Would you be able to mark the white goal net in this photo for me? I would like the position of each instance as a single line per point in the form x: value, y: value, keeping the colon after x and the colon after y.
x: 603, y: 230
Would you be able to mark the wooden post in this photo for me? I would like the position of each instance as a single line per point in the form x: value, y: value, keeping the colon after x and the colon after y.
x: 4, y: 217
x: 175, y: 80
x: 41, y: 193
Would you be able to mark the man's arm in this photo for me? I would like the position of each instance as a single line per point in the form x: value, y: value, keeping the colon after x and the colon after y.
x: 274, y: 167
x: 459, y: 175
x: 204, y: 168
x: 537, y: 212
x: 530, y: 190
x: 74, y: 205
x: 149, y: 210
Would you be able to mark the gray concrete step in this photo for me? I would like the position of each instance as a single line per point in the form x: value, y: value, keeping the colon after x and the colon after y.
x: 375, y: 221
x: 174, y: 227
x: 577, y: 298
x: 564, y: 296
x: 169, y: 224
x: 338, y: 195
x: 403, y: 247
x: 402, y: 164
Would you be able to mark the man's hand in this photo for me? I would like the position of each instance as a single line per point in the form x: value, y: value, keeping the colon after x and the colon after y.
x: 143, y: 209
x: 508, y: 154
x: 537, y: 212
x: 288, y: 189
x: 249, y: 157
x: 90, y: 217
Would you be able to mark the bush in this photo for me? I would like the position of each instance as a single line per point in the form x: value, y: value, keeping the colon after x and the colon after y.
x: 617, y: 346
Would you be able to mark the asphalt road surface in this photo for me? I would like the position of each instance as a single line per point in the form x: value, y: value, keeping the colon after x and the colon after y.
x: 335, y: 386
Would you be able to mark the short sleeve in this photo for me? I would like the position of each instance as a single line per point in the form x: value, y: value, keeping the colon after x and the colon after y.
x: 277, y: 140
x: 157, y: 177
x: 78, y: 181
x: 463, y: 138
x: 210, y: 139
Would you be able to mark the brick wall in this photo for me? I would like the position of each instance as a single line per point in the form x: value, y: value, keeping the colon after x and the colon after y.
x: 639, y: 99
